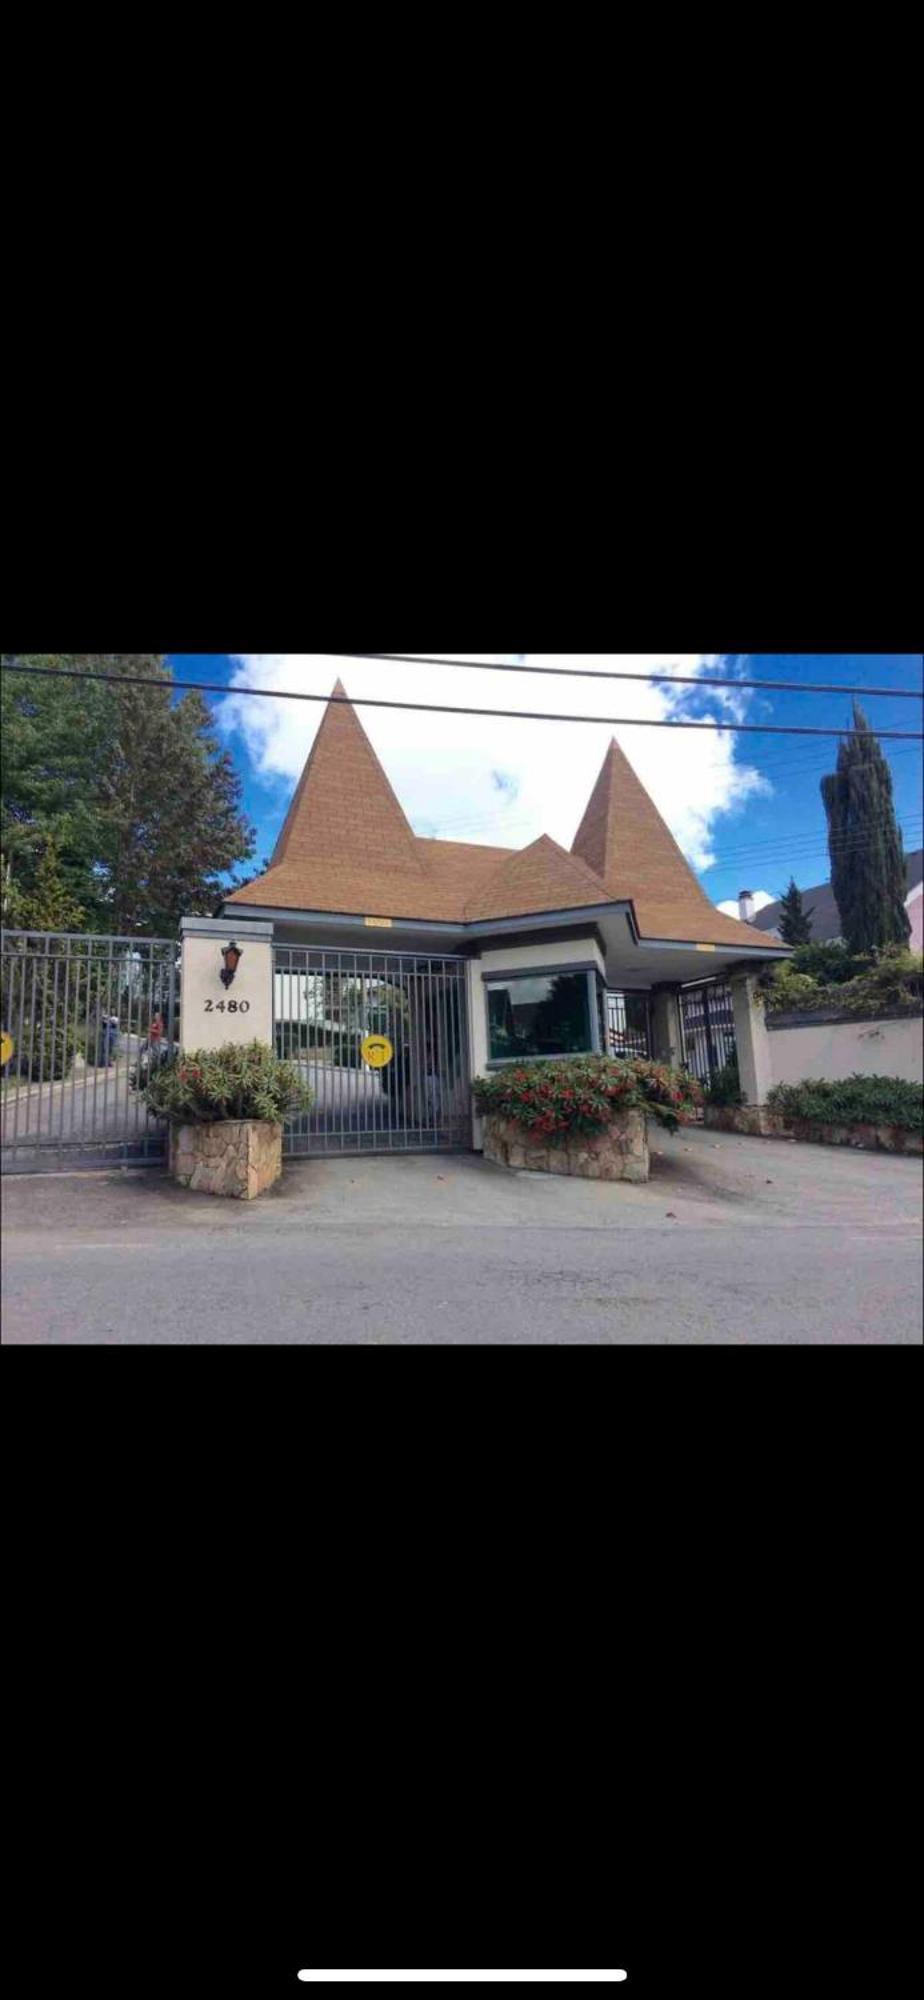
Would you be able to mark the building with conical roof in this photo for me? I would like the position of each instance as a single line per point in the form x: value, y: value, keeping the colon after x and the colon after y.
x: 548, y: 948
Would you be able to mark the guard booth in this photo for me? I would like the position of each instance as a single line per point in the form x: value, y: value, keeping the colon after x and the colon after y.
x: 381, y: 1040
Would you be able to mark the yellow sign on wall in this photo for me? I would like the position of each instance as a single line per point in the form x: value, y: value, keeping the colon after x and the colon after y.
x: 7, y: 1045
x: 376, y: 1050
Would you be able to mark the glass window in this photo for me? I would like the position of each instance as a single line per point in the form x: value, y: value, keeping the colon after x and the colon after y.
x: 548, y: 1015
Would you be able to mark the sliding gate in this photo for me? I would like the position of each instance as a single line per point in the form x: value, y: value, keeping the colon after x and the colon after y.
x: 381, y: 1040
x: 82, y: 1019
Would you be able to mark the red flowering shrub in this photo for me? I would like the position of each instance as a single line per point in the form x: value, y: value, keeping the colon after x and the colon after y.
x: 582, y: 1093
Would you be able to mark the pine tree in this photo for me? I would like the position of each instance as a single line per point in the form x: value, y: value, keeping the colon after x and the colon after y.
x: 795, y: 924
x: 865, y: 844
x: 49, y: 905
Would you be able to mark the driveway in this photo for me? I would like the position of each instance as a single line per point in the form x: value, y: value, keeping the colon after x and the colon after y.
x: 733, y: 1240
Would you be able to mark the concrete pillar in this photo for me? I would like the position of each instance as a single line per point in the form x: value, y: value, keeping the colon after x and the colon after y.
x: 212, y: 1013
x: 754, y: 1066
x: 666, y: 1043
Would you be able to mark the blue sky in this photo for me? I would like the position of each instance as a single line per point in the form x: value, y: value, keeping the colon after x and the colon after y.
x: 746, y: 809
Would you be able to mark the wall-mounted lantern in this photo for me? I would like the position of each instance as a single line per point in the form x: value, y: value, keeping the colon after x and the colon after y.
x: 232, y: 955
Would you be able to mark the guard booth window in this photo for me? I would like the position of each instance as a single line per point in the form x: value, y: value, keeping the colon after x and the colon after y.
x: 540, y: 1014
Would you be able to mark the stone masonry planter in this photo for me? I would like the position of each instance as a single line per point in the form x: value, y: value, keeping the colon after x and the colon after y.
x: 759, y: 1122
x: 618, y: 1154
x: 241, y: 1157
x: 753, y: 1119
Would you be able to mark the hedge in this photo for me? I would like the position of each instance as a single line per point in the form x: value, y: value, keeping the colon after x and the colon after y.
x: 857, y: 1100
x: 814, y: 979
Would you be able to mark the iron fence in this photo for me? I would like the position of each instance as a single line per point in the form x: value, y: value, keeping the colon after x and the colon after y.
x: 327, y: 1003
x: 628, y: 1024
x: 83, y: 1017
x: 708, y: 1025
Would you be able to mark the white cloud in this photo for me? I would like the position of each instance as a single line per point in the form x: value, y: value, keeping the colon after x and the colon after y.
x: 761, y: 899
x: 507, y: 781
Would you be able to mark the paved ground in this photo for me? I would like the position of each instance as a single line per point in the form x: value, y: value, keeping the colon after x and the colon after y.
x: 93, y: 1102
x: 733, y: 1240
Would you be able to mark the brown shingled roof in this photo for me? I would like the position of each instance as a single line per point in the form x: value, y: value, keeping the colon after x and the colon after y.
x: 542, y: 876
x: 344, y: 808
x: 624, y: 839
x: 347, y: 846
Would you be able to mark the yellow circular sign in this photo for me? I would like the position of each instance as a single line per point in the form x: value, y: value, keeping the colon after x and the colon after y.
x: 7, y: 1045
x: 376, y: 1050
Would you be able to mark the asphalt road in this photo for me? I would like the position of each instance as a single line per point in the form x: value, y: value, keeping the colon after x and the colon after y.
x: 733, y: 1240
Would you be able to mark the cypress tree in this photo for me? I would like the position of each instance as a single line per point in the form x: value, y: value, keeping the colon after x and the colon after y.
x: 795, y: 922
x: 865, y: 843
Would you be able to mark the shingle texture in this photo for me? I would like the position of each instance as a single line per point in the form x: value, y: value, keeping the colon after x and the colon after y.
x: 347, y: 846
x: 623, y: 838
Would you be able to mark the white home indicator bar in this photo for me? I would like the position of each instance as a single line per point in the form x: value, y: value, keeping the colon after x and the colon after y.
x: 561, y: 1978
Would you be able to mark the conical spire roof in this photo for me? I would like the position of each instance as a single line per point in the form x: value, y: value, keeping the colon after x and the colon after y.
x: 347, y: 846
x: 344, y: 808
x: 623, y: 838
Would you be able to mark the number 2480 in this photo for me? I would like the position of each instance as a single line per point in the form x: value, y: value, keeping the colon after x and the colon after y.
x: 233, y: 1006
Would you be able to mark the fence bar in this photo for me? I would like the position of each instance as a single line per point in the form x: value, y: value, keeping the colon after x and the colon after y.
x: 420, y: 1099
x: 61, y: 992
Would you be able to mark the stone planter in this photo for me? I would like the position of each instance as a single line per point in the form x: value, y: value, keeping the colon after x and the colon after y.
x: 867, y: 1138
x: 241, y: 1157
x: 753, y: 1119
x: 618, y: 1154
x: 758, y: 1122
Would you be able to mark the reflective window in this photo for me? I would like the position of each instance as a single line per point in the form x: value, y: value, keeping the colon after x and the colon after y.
x: 548, y: 1015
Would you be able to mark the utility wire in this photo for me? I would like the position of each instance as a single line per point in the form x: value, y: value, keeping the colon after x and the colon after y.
x: 799, y: 853
x: 443, y: 708
x: 612, y: 674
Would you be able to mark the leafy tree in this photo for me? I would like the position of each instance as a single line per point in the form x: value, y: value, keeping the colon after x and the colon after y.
x: 47, y: 1003
x: 171, y: 821
x: 795, y: 921
x: 52, y: 744
x: 865, y: 843
x: 130, y: 782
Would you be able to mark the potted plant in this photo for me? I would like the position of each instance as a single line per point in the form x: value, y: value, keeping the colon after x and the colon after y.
x: 226, y: 1109
x: 584, y: 1115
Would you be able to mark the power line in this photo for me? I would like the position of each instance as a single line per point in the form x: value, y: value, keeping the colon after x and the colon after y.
x: 444, y: 708
x: 797, y: 853
x: 612, y: 674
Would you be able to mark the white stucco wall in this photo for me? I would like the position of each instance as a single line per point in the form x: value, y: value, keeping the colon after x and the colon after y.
x: 914, y: 905
x: 204, y: 1022
x: 835, y: 1049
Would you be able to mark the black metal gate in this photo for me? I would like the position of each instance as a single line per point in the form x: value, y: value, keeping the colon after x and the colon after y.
x: 628, y: 1024
x: 708, y: 1023
x: 82, y: 1017
x: 334, y: 1010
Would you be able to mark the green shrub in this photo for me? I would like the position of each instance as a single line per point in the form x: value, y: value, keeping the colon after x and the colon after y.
x: 725, y: 1086
x: 582, y: 1093
x: 857, y: 1100
x: 237, y: 1081
x: 829, y: 963
x: 892, y: 978
x: 48, y: 1049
